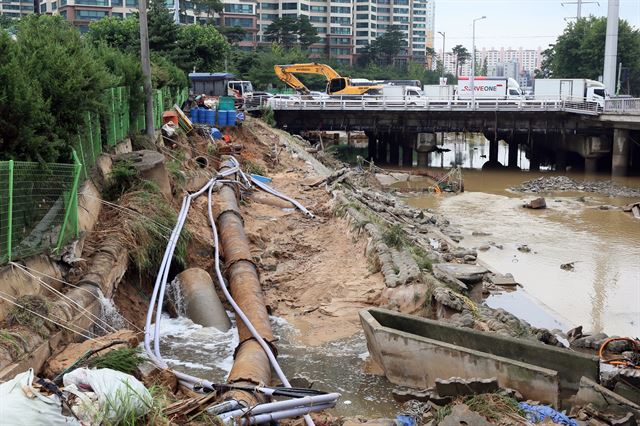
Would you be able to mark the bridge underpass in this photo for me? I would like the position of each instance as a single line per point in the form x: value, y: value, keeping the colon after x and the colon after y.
x: 550, y: 133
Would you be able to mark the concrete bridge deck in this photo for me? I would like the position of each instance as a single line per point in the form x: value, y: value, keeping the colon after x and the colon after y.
x: 550, y: 130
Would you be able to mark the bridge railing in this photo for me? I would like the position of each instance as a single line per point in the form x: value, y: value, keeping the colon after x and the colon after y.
x: 622, y: 106
x: 387, y: 103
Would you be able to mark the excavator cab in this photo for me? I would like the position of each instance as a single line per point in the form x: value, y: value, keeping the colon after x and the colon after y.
x: 336, y: 85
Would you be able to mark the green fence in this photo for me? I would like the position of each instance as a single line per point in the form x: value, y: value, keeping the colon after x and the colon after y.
x: 38, y: 207
x: 39, y: 202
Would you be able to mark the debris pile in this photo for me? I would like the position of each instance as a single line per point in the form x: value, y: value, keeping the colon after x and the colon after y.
x: 564, y: 183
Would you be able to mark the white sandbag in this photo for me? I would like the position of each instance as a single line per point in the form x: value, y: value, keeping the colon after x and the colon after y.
x: 118, y: 395
x: 21, y: 404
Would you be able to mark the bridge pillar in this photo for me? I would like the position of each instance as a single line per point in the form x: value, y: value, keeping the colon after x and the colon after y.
x: 621, y: 152
x: 534, y: 151
x: 423, y: 159
x: 407, y: 155
x: 513, y: 153
x: 371, y: 151
x: 381, y: 151
x: 561, y: 160
x: 591, y: 165
x: 394, y: 149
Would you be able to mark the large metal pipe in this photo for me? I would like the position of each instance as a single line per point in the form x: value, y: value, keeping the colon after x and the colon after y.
x: 251, y: 364
x: 201, y: 301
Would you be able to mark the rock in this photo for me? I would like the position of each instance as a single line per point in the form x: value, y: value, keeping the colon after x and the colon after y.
x: 505, y: 280
x: 524, y: 248
x: 75, y: 351
x: 484, y: 247
x: 480, y: 234
x: 574, y: 333
x: 468, y: 274
x: 469, y: 258
x: 462, y: 415
x: 538, y: 203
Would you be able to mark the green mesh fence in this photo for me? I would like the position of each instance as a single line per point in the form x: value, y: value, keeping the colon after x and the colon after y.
x: 38, y: 207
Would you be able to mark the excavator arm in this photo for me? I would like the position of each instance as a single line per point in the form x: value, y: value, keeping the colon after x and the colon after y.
x: 285, y: 73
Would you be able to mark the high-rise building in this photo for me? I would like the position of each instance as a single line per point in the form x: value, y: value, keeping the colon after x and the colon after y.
x: 16, y: 8
x: 512, y: 61
x: 345, y: 27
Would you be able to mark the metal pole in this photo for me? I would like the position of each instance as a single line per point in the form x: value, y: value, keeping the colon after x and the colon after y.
x: 10, y: 212
x: 579, y: 14
x: 473, y: 64
x: 146, y: 68
x: 444, y: 38
x: 611, y: 47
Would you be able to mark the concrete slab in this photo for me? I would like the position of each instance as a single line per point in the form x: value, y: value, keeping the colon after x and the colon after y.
x: 468, y: 274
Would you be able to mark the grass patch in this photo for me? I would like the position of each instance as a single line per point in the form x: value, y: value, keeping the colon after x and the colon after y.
x: 174, y: 167
x: 249, y: 166
x: 146, y: 234
x: 421, y: 257
x: 23, y: 315
x: 10, y: 342
x: 442, y: 413
x: 267, y: 115
x: 123, y: 176
x: 393, y: 236
x: 125, y: 360
x: 494, y: 406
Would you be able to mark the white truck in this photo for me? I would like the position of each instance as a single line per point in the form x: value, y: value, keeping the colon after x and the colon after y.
x: 489, y: 88
x: 436, y: 92
x: 412, y: 95
x: 569, y: 89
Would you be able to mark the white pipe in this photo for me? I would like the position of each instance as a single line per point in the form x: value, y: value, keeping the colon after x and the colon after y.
x: 278, y: 415
x: 283, y: 405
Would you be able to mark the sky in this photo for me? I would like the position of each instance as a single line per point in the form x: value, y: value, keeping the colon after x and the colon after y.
x: 514, y: 23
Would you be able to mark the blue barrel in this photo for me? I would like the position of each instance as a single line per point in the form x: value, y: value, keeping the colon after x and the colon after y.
x: 231, y: 117
x: 222, y: 118
x: 194, y: 115
x: 200, y: 115
x: 210, y: 117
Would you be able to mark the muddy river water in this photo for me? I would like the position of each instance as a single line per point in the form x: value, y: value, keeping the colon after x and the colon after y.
x: 602, y: 293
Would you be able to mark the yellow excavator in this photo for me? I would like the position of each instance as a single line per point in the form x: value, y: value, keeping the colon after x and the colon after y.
x: 336, y: 85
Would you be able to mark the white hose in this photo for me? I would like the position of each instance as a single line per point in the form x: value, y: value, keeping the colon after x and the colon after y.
x: 161, y: 281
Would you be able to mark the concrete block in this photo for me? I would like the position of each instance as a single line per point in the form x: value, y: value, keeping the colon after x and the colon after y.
x: 604, y: 399
x: 538, y: 203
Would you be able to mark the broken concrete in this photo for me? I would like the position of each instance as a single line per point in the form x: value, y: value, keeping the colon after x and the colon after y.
x: 457, y: 386
x: 538, y: 203
x: 150, y: 164
x: 468, y: 274
x: 604, y: 399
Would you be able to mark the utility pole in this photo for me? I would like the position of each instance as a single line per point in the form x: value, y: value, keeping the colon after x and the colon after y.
x: 473, y: 64
x: 146, y: 69
x: 611, y: 47
x: 579, y: 4
x: 444, y: 38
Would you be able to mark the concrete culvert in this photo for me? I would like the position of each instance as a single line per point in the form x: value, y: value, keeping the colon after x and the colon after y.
x: 202, y: 162
x: 202, y: 303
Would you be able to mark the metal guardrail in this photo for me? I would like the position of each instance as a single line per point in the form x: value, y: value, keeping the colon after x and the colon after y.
x: 366, y: 103
x: 622, y: 106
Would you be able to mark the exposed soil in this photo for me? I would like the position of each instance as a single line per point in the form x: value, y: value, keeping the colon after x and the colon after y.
x: 313, y: 272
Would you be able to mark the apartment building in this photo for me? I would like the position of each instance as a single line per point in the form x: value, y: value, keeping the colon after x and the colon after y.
x: 344, y: 27
x: 16, y: 8
x: 499, y: 61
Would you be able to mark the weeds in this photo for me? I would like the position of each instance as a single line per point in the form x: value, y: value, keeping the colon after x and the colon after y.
x: 125, y: 360
x: 10, y: 342
x: 123, y: 176
x: 249, y: 166
x: 393, y: 236
x: 23, y: 315
x: 442, y: 413
x: 174, y: 167
x: 267, y: 115
x: 147, y: 233
x: 494, y: 406
x: 421, y: 257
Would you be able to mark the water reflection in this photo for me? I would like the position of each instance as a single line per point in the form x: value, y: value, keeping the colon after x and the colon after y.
x: 470, y: 150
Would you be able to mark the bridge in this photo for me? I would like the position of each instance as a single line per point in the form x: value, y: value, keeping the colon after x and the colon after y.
x: 561, y: 132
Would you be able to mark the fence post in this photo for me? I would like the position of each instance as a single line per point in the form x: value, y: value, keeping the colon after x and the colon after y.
x: 72, y: 204
x: 10, y: 212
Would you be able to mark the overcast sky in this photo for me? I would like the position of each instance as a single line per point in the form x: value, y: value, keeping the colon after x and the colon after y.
x: 514, y: 23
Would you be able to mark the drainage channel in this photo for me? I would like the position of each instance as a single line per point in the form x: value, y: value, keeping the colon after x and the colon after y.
x: 337, y: 366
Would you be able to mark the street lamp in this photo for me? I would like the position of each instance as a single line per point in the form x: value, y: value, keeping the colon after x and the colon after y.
x: 444, y: 38
x: 473, y: 63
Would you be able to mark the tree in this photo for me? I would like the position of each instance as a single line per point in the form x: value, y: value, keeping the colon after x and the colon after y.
x: 163, y: 31
x: 283, y: 31
x: 307, y: 33
x: 485, y: 68
x: 121, y: 34
x: 210, y: 7
x: 200, y: 47
x: 232, y: 34
x: 462, y: 55
x: 390, y: 44
x: 579, y: 52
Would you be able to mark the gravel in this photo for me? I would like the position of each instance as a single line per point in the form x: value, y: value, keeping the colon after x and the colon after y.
x: 564, y: 183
